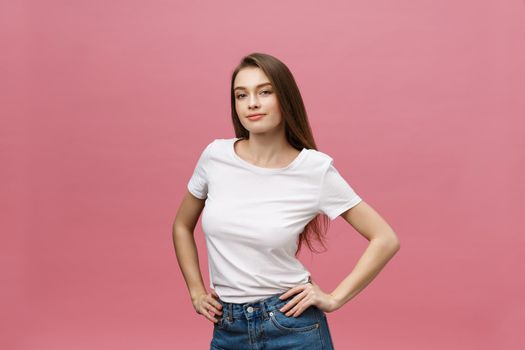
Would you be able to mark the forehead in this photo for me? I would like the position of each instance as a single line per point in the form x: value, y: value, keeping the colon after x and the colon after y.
x: 250, y: 77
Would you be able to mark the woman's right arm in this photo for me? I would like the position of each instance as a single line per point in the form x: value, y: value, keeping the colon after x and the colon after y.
x: 186, y: 250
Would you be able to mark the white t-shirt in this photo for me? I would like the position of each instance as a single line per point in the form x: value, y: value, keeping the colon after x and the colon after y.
x: 253, y: 217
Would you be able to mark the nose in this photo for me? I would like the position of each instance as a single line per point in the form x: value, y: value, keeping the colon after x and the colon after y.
x: 253, y: 102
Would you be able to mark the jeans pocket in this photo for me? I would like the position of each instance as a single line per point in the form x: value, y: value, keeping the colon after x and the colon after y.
x: 306, y: 321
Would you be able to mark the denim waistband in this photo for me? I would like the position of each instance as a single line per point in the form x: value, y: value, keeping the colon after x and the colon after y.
x: 253, y: 309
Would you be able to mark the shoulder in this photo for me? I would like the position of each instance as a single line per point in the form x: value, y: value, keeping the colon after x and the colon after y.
x: 319, y: 159
x: 223, y: 141
x: 320, y: 155
x: 220, y: 144
x: 218, y: 147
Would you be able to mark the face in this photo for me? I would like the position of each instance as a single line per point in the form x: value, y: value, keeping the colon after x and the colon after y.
x: 255, y: 95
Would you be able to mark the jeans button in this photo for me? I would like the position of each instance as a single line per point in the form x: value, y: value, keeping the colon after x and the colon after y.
x: 249, y: 309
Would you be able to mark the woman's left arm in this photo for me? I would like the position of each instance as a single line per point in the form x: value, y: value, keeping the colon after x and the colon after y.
x: 382, y: 247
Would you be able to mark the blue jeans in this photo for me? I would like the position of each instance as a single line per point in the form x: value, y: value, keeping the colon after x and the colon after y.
x: 260, y: 325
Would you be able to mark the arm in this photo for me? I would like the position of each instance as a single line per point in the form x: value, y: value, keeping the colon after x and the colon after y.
x: 382, y: 247
x: 187, y: 255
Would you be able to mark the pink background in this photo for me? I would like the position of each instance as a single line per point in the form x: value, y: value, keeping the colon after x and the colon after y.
x: 106, y: 106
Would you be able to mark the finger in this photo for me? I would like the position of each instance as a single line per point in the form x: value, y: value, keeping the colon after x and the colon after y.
x: 214, y: 296
x: 212, y: 318
x: 215, y: 304
x: 213, y: 300
x: 288, y: 293
x: 209, y: 315
x: 296, y: 313
x: 300, y: 307
x: 292, y: 303
x: 215, y: 311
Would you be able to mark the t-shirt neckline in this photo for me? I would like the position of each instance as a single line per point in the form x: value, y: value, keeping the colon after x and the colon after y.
x: 259, y: 169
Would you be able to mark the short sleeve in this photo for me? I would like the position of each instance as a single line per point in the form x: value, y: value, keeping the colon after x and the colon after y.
x: 198, y: 183
x: 336, y: 195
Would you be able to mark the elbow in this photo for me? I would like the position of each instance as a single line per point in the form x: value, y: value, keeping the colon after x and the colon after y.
x: 389, y: 244
x: 392, y: 242
x: 395, y: 244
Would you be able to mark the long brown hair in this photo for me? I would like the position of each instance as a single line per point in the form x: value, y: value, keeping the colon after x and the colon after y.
x: 297, y: 129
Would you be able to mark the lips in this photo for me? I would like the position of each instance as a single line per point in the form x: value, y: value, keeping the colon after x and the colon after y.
x: 256, y: 117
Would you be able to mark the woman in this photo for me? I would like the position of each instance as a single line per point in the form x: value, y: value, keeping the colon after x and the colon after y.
x: 262, y: 195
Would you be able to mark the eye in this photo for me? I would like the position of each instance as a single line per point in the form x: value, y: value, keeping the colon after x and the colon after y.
x: 268, y: 92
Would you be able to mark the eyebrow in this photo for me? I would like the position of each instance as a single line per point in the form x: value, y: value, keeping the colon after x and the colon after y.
x: 242, y: 87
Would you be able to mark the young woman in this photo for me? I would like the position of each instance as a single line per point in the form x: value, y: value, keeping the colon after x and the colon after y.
x: 262, y: 195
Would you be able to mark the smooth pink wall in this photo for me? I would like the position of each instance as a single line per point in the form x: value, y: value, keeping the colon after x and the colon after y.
x: 106, y: 106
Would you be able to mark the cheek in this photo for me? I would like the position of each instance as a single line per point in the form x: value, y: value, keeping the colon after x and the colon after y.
x: 273, y: 104
x: 238, y: 107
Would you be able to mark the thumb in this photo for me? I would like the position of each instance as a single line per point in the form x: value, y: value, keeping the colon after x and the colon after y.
x: 214, y: 293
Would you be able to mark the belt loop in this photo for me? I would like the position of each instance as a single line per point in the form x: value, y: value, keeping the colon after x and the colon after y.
x: 264, y: 305
x: 230, y: 315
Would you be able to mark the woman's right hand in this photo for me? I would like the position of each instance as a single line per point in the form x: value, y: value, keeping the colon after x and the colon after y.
x: 206, y: 305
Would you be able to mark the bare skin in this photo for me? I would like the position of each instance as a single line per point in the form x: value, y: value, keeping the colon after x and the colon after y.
x: 288, y: 156
x: 205, y: 303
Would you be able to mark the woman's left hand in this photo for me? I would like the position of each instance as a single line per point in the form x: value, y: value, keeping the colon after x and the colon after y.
x: 307, y: 294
